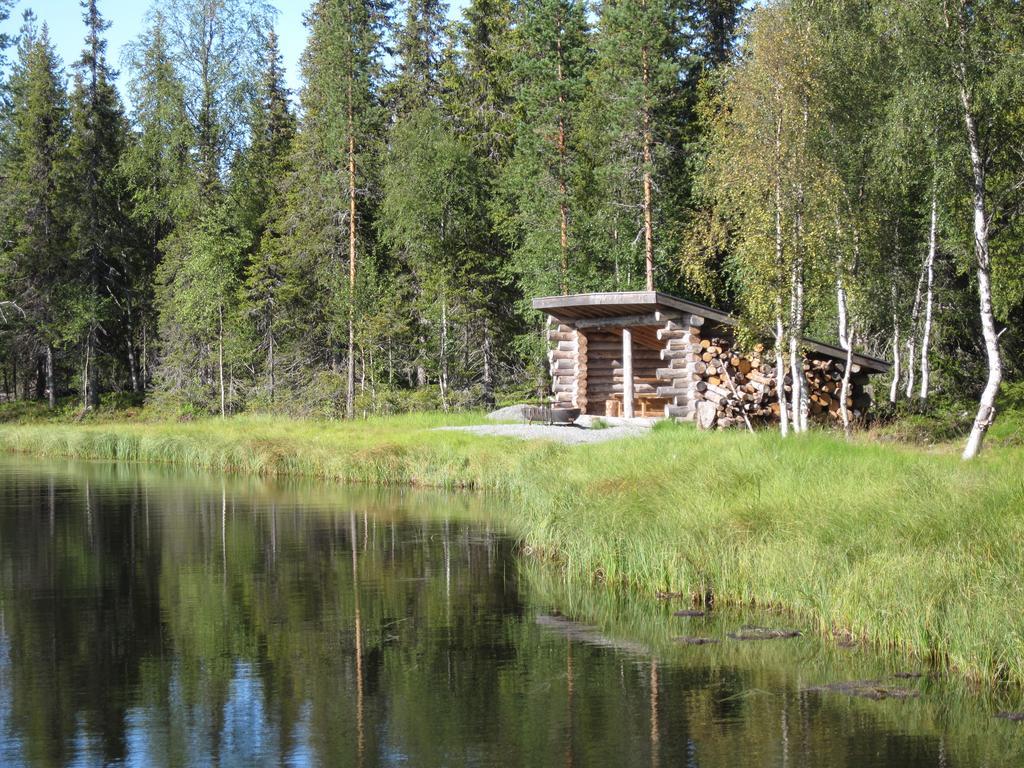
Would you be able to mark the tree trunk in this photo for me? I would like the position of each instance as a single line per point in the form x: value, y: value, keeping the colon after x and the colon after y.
x: 915, y: 313
x: 133, y: 361
x: 270, y: 356
x: 987, y: 405
x: 780, y: 337
x: 145, y: 356
x: 488, y: 367
x: 91, y: 383
x: 350, y: 390
x: 926, y: 333
x: 563, y: 191
x: 780, y: 374
x: 220, y: 361
x: 798, y: 401
x: 648, y: 142
x: 894, y: 386
x: 51, y: 388
x: 442, y: 379
x: 846, y: 342
x: 844, y: 393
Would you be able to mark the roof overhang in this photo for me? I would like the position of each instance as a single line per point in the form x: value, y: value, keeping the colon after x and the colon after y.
x: 654, y: 308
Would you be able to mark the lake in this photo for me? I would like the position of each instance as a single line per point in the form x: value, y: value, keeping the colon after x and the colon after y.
x: 152, y: 617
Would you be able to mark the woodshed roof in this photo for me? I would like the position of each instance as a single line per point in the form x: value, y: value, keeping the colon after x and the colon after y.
x: 643, y: 308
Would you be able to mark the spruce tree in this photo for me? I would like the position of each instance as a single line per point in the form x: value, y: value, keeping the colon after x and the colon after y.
x: 98, y: 232
x: 34, y: 265
x: 5, y: 39
x: 160, y: 172
x: 257, y: 198
x: 480, y: 98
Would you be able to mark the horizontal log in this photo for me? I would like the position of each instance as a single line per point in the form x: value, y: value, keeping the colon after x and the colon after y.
x: 667, y: 374
x: 673, y: 392
x: 652, y: 318
x: 557, y: 354
x: 719, y: 390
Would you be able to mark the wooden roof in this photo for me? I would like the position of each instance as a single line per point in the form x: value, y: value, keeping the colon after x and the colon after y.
x: 644, y: 307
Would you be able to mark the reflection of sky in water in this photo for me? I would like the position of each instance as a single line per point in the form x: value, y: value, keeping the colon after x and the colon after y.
x: 248, y: 735
x: 10, y: 745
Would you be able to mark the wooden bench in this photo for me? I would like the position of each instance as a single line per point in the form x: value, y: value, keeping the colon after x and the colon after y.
x: 650, y: 404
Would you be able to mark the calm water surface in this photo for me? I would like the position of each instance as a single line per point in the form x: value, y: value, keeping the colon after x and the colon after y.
x: 152, y: 618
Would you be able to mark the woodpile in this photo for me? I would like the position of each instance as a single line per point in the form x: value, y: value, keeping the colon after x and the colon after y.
x: 733, y: 388
x: 736, y: 388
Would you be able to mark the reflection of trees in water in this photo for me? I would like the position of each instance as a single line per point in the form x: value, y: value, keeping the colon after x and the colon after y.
x: 744, y: 703
x: 241, y: 622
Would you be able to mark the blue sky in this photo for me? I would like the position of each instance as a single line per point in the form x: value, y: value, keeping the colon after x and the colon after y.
x: 127, y: 18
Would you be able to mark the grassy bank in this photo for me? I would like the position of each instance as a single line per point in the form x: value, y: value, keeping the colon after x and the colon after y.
x: 911, y: 549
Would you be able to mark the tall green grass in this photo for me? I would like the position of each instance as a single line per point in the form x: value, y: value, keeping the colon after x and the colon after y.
x: 912, y: 550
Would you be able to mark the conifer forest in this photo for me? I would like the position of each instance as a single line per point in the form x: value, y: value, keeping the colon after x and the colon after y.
x: 193, y: 234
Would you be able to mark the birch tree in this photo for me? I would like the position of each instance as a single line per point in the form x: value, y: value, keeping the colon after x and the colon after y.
x: 973, y: 48
x: 767, y: 183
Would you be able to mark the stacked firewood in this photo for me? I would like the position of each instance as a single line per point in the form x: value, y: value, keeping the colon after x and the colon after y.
x: 735, y: 388
x: 825, y: 387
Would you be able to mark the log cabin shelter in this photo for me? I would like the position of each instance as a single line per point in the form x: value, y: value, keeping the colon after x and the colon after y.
x: 651, y: 354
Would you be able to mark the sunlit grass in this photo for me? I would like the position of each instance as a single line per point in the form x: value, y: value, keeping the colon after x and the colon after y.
x: 916, y: 550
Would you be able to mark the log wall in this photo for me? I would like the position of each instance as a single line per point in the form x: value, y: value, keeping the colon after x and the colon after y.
x: 567, y: 361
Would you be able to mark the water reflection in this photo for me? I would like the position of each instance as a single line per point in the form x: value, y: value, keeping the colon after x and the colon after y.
x: 156, y: 618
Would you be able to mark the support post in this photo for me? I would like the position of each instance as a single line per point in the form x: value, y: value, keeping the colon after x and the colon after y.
x: 627, y: 373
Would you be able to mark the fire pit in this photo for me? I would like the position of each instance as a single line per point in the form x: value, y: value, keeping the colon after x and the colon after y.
x: 548, y: 415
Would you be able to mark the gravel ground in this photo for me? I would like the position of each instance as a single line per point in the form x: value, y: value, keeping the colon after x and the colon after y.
x: 568, y: 435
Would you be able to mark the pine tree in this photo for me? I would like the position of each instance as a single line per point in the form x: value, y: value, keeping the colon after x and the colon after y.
x: 632, y: 108
x: 98, y: 137
x: 35, y: 264
x: 332, y: 193
x: 550, y: 66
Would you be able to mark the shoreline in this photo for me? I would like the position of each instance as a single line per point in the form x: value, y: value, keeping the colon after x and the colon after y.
x: 909, y: 551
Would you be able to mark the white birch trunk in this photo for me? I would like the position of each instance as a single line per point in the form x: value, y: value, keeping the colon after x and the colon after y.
x: 780, y: 375
x: 220, y: 361
x: 987, y: 405
x: 915, y: 313
x: 894, y: 387
x: 798, y: 400
x: 844, y: 392
x: 926, y: 333
x: 846, y: 342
